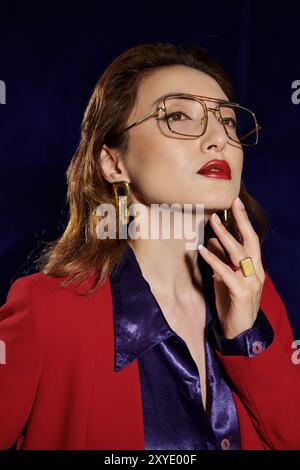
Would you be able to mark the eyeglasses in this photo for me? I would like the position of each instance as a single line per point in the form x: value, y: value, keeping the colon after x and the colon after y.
x: 187, y: 115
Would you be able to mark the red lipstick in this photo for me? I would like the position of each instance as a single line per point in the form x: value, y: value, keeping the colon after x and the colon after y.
x: 216, y: 169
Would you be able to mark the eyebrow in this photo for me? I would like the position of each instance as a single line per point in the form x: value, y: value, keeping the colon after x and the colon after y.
x: 166, y: 94
x: 181, y: 93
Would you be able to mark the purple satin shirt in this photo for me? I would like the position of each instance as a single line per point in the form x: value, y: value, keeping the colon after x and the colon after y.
x: 173, y: 412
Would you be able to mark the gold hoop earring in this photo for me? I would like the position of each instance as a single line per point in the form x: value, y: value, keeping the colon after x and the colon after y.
x: 226, y: 216
x: 123, y: 199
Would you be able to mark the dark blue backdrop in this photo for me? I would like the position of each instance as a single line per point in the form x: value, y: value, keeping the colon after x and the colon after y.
x: 53, y: 54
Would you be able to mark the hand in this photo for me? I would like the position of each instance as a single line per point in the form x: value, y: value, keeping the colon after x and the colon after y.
x: 237, y: 296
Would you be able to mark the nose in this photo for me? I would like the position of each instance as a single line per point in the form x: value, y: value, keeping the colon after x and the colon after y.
x: 215, y: 137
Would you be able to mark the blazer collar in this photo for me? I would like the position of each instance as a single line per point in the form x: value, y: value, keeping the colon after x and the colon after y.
x: 139, y: 323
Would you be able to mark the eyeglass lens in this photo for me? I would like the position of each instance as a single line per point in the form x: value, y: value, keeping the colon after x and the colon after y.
x: 187, y: 116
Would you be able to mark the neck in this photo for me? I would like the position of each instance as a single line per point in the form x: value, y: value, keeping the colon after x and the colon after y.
x: 171, y: 269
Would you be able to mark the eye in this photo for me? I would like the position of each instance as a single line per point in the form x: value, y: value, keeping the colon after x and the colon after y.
x: 229, y: 121
x: 175, y: 116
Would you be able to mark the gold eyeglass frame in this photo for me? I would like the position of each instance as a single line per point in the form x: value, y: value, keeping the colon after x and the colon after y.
x: 216, y: 112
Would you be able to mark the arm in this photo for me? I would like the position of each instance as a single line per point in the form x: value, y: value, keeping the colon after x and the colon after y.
x: 21, y: 338
x: 268, y: 383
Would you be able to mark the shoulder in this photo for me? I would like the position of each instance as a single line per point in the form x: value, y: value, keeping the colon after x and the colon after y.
x: 34, y: 288
x: 32, y: 284
x: 43, y: 292
x: 37, y: 309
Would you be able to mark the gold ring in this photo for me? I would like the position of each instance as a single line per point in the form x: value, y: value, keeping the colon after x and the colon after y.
x: 247, y: 267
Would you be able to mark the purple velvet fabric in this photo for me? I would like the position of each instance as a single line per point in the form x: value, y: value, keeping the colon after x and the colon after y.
x: 174, y: 416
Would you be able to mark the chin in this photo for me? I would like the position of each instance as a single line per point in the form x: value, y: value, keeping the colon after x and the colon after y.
x: 213, y: 206
x: 219, y: 202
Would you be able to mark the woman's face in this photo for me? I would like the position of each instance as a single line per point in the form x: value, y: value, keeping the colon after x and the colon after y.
x: 161, y: 166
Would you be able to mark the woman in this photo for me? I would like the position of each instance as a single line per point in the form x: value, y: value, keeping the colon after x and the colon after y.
x: 140, y: 343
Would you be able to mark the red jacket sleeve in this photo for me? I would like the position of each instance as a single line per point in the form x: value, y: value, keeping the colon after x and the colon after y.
x: 21, y: 336
x: 269, y: 383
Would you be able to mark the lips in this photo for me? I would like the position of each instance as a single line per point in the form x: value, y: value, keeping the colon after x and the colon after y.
x: 216, y: 169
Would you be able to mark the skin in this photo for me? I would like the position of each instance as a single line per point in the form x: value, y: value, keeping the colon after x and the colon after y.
x: 162, y: 168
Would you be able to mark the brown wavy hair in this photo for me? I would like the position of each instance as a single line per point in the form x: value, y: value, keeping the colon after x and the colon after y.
x: 79, y: 253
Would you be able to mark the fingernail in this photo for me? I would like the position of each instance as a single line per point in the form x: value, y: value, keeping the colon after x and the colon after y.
x: 202, y: 247
x: 217, y: 219
x: 239, y: 203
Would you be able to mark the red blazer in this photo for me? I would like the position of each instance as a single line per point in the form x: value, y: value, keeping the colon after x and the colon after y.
x: 59, y: 390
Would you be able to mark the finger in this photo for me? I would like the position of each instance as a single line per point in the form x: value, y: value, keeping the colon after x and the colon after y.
x: 228, y: 276
x: 250, y: 237
x: 216, y: 247
x: 235, y: 250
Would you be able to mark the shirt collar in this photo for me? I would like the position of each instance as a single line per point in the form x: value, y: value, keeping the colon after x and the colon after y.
x: 139, y: 323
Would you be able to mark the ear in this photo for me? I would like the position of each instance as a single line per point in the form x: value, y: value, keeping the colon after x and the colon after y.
x: 111, y: 165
